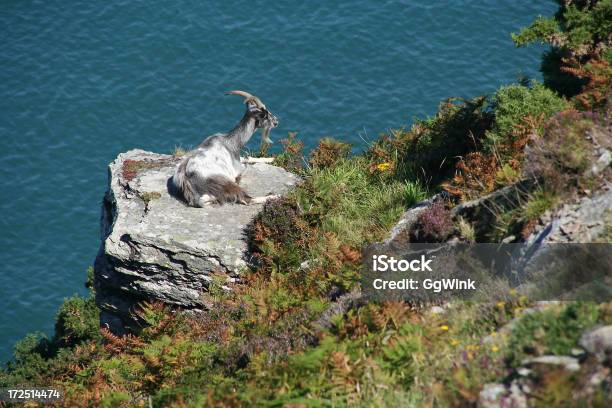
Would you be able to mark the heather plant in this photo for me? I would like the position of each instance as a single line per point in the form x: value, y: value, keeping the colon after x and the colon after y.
x: 434, y: 224
x: 278, y: 218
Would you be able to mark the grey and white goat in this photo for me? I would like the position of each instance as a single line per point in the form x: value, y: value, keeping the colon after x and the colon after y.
x: 211, y: 172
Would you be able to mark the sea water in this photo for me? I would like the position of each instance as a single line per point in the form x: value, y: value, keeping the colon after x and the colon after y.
x: 81, y: 81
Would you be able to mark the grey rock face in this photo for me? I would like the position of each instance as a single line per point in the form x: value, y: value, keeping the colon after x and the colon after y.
x: 154, y: 247
x: 495, y: 395
x: 584, y: 221
x: 598, y: 342
x: 567, y: 362
x: 580, y: 222
x: 491, y: 395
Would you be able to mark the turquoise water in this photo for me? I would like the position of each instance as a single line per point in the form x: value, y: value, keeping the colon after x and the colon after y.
x: 81, y: 81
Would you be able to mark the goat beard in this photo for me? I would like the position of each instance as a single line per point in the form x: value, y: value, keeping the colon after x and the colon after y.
x: 265, y: 135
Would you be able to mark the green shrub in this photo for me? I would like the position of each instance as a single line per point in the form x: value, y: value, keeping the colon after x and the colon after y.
x: 429, y: 150
x: 539, y: 202
x: 542, y: 30
x: 552, y: 331
x: 578, y: 63
x: 577, y: 27
x: 513, y: 103
x: 78, y: 320
x: 30, y: 360
x: 89, y: 283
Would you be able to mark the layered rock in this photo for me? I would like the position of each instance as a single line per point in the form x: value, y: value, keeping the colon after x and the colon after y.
x: 154, y: 247
x: 579, y: 222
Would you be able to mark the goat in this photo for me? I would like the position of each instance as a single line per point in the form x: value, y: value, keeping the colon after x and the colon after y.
x: 211, y: 172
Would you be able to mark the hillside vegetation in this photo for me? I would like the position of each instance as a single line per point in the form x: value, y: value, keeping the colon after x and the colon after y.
x: 270, y: 341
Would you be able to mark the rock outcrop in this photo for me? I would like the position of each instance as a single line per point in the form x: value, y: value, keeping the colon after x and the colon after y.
x: 579, y: 222
x: 154, y: 247
x: 598, y: 342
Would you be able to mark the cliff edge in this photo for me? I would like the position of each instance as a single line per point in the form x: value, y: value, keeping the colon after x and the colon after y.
x: 154, y: 247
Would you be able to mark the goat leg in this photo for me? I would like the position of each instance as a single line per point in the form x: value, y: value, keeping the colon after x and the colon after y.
x: 263, y: 199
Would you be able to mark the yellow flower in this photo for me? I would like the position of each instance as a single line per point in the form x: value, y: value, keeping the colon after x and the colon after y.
x: 383, y: 166
x: 495, y: 349
x: 473, y: 347
x: 454, y: 342
x: 444, y: 327
x: 500, y: 305
x: 513, y: 292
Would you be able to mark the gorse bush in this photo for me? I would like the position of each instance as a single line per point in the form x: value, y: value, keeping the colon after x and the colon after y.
x: 429, y: 150
x: 520, y: 113
x: 78, y: 320
x: 30, y: 360
x: 37, y: 356
x: 580, y: 27
x: 511, y: 105
x: 579, y: 62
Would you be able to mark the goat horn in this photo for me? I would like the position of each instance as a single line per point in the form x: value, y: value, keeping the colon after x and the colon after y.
x: 248, y: 97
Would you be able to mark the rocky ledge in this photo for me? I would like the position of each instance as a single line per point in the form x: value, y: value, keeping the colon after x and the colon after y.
x: 154, y: 247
